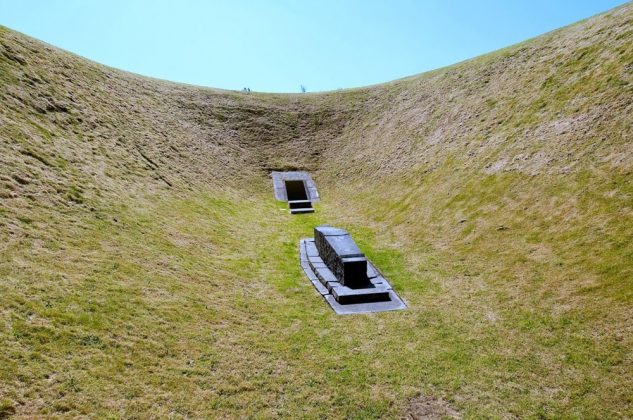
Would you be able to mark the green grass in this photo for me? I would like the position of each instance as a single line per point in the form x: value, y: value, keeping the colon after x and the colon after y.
x: 166, y: 307
x: 147, y: 272
x: 538, y: 269
x: 198, y: 306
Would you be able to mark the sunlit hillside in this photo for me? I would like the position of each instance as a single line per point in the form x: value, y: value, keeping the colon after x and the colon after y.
x: 146, y: 269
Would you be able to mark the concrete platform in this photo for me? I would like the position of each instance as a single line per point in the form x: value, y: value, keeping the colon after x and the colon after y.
x: 343, y: 300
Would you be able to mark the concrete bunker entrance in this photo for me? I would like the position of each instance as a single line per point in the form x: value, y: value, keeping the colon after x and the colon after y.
x: 297, y: 189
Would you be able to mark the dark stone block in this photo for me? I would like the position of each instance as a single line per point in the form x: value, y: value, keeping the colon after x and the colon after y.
x: 342, y: 256
x: 377, y: 296
x: 355, y: 271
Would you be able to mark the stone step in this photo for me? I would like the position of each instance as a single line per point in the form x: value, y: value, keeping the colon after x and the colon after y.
x: 302, y: 210
x: 345, y: 296
x: 300, y: 204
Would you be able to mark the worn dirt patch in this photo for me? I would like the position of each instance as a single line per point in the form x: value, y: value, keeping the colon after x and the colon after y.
x: 426, y: 407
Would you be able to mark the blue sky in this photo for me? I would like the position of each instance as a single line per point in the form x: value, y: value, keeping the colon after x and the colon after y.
x: 277, y: 45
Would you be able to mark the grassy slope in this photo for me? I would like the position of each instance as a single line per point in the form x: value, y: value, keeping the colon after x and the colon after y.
x: 147, y: 271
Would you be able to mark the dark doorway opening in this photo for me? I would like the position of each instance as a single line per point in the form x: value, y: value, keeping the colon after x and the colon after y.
x: 296, y: 190
x: 297, y: 194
